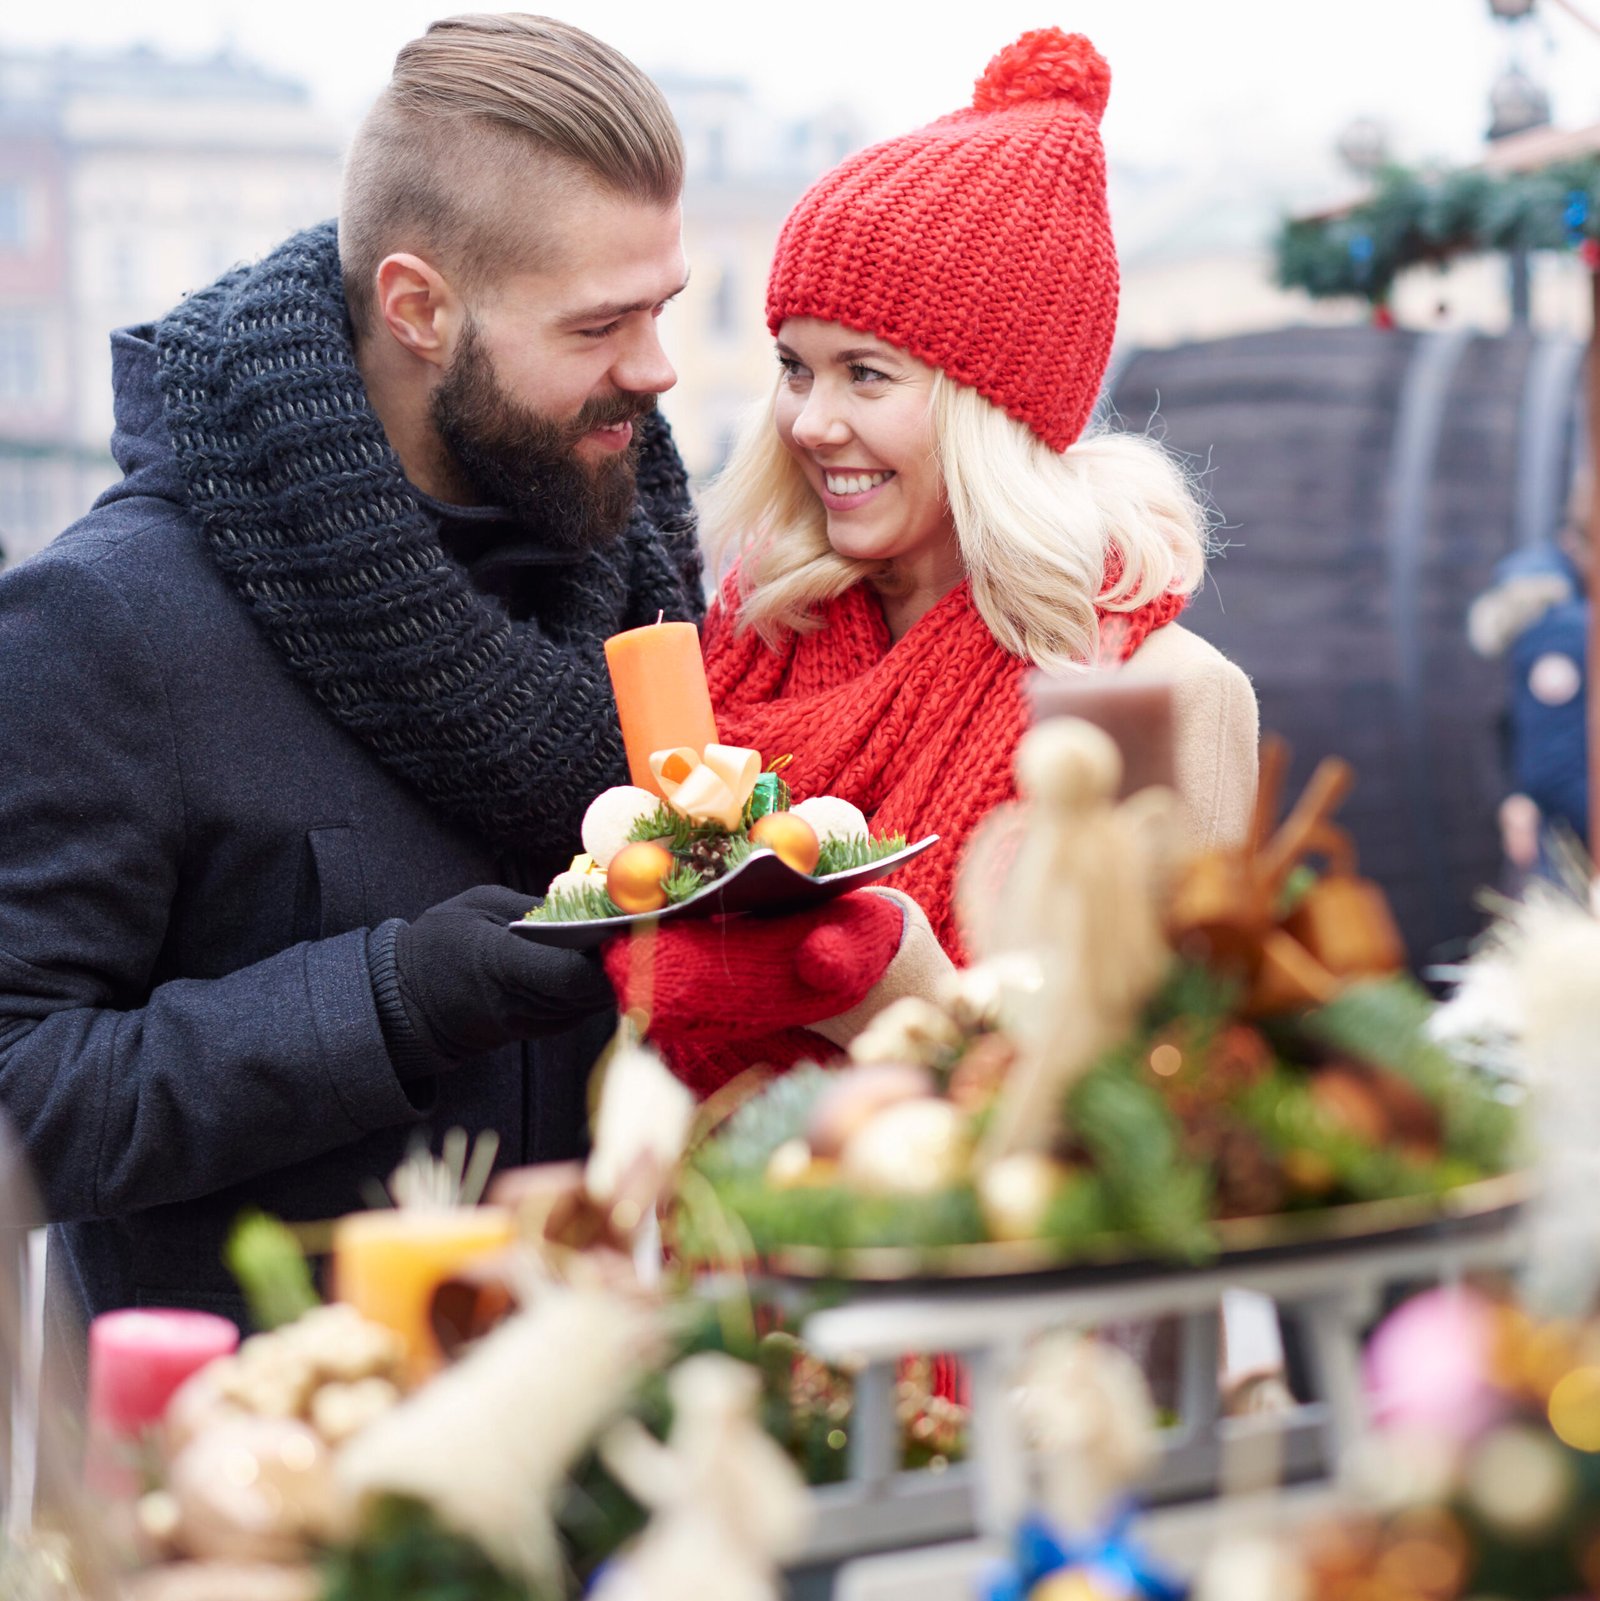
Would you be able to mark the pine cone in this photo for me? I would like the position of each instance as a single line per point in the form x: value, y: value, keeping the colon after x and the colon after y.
x: 708, y: 855
x: 1249, y: 1180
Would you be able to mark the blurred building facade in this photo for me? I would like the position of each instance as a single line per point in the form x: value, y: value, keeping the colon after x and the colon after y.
x: 128, y: 180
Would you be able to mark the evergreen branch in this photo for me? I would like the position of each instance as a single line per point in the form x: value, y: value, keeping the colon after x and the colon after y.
x: 1384, y: 1022
x: 842, y: 854
x: 1153, y: 1192
x: 682, y: 882
x: 587, y: 904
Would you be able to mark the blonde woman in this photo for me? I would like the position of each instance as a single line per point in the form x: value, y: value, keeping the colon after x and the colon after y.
x: 919, y: 521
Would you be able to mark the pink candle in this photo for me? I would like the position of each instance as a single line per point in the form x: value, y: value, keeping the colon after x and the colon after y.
x: 137, y: 1358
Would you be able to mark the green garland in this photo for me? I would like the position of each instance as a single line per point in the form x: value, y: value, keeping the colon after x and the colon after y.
x: 1415, y: 219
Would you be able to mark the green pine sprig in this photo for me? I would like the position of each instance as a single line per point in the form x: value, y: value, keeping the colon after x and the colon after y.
x: 843, y: 854
x: 271, y: 1269
x: 682, y: 882
x: 405, y: 1554
x: 1384, y: 1022
x: 587, y: 904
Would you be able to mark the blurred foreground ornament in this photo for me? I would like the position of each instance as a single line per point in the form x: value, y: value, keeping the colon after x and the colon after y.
x: 488, y: 1443
x: 1532, y: 990
x: 1429, y: 1366
x: 728, y: 1507
x: 1090, y: 1423
x: 1108, y: 1566
x: 1071, y: 880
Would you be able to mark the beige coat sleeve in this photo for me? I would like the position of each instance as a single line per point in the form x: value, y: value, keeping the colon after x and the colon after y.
x: 1215, y: 736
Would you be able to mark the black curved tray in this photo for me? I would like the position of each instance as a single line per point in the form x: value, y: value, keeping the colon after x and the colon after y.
x: 762, y: 884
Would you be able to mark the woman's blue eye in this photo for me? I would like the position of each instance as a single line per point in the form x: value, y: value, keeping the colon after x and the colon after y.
x: 790, y: 367
x: 862, y: 373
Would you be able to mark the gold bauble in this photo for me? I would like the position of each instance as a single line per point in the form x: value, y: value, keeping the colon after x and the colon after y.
x: 792, y: 839
x: 634, y: 878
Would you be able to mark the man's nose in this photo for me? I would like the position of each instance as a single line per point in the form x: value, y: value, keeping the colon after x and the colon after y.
x: 642, y: 367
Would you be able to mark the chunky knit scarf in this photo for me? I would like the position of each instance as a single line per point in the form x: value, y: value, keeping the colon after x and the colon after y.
x: 508, y: 727
x: 920, y: 734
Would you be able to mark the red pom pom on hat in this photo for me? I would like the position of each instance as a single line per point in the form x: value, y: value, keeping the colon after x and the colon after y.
x: 1046, y: 64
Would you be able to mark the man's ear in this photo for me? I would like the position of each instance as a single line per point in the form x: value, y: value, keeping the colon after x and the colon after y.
x: 420, y: 310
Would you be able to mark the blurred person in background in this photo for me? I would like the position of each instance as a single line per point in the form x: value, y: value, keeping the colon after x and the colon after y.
x: 313, y: 700
x: 1536, y: 617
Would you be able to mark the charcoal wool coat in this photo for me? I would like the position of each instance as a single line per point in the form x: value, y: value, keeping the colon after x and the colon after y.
x: 193, y: 854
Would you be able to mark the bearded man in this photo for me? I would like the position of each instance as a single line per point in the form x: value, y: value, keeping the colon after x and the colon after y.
x: 311, y: 703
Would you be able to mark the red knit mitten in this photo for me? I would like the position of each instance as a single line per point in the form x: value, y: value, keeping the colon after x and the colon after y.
x: 705, y: 1067
x: 738, y: 978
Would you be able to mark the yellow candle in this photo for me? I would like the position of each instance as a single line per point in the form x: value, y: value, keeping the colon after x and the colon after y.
x: 662, y: 700
x: 387, y: 1264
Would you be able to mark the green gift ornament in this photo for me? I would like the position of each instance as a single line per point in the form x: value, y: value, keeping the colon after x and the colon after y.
x: 771, y: 794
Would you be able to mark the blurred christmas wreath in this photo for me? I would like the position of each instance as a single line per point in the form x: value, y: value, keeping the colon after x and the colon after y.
x: 1154, y: 1044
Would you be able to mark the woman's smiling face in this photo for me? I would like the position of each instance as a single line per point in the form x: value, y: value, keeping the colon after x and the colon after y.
x: 855, y: 414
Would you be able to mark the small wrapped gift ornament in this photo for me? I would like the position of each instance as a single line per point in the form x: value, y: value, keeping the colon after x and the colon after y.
x: 770, y: 794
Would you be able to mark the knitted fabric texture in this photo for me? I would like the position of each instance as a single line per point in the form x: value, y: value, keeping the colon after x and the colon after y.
x: 921, y: 734
x: 722, y: 981
x: 981, y: 244
x: 506, y: 726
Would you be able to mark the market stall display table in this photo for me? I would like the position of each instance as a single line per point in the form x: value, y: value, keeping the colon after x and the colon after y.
x: 1328, y: 1290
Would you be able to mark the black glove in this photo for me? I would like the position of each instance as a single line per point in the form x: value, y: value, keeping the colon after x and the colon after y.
x: 457, y: 982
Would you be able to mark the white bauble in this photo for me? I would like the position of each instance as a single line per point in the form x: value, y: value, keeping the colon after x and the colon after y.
x: 568, y: 882
x: 610, y: 819
x: 832, y: 818
x: 910, y: 1148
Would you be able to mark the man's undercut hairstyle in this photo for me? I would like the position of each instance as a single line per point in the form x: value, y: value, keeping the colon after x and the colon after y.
x: 483, y: 113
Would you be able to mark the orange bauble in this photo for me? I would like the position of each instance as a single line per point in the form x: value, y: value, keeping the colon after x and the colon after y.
x: 792, y: 838
x: 634, y: 878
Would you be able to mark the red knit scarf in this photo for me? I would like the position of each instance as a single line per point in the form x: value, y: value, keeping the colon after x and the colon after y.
x: 920, y: 733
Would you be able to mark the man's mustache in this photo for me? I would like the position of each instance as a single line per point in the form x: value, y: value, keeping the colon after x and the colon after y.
x: 609, y: 413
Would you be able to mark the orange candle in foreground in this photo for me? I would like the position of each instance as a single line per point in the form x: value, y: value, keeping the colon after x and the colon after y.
x: 659, y: 679
x: 388, y: 1263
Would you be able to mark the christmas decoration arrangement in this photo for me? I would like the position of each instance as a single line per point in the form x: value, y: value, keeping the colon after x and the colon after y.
x: 1155, y: 1046
x: 501, y: 1404
x: 1417, y: 218
x: 713, y: 812
x: 703, y: 828
x: 1483, y: 1478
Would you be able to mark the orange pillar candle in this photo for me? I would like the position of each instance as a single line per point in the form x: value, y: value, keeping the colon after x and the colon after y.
x: 659, y: 679
x: 387, y: 1264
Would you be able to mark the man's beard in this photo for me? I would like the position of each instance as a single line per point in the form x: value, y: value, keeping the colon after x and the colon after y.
x: 521, y: 460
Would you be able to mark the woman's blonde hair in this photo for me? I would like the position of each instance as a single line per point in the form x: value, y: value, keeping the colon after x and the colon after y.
x: 1037, y: 528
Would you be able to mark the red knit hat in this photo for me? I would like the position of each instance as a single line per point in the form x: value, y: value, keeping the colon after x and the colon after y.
x: 979, y: 244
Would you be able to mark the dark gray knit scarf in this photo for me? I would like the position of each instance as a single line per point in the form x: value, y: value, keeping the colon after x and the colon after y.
x: 507, y: 726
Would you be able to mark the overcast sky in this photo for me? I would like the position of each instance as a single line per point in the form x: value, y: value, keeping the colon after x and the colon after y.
x: 1197, y: 84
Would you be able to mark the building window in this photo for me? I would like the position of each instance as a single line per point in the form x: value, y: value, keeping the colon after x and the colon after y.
x: 21, y: 360
x: 13, y: 215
